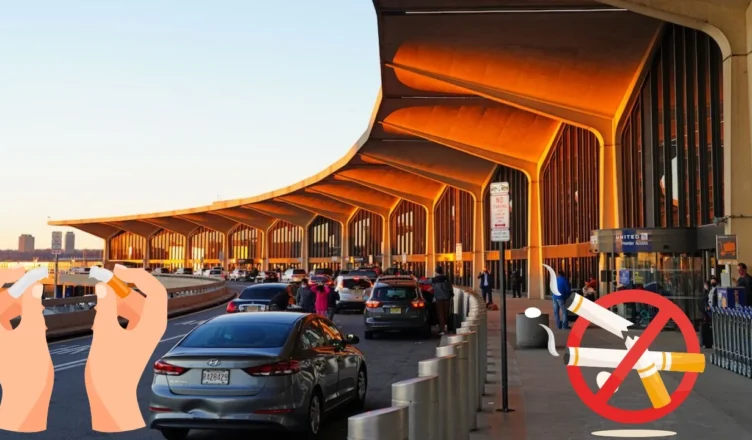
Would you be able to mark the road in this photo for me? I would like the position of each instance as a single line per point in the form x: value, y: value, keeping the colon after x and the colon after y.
x: 390, y: 359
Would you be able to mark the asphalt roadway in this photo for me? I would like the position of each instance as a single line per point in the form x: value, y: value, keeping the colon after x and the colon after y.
x: 390, y: 358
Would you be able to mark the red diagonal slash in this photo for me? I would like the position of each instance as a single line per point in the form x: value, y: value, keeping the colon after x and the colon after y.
x: 625, y: 366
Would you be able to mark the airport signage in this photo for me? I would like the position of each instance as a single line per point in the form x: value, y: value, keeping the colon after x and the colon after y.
x: 500, y: 210
x: 57, y: 241
x: 726, y: 249
x: 631, y: 241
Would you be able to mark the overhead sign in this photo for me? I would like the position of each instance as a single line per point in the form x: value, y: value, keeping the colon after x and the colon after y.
x: 458, y: 252
x: 57, y: 241
x: 501, y: 206
x: 632, y: 241
x: 725, y: 249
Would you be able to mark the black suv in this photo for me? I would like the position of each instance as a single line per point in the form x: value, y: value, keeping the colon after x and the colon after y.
x: 396, y: 303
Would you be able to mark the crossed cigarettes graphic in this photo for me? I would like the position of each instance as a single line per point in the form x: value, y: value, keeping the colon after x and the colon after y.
x: 649, y: 363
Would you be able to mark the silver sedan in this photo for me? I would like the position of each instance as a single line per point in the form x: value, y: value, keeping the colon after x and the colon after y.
x: 263, y: 371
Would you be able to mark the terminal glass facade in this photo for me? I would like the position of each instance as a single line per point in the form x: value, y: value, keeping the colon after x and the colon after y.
x: 519, y: 201
x: 408, y: 236
x: 206, y: 246
x: 324, y: 243
x: 454, y: 224
x: 570, y: 192
x: 366, y: 237
x: 285, y: 241
x: 245, y: 243
x: 127, y: 246
x: 167, y: 249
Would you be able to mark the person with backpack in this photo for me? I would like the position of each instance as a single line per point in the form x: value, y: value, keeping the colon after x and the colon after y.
x: 560, y: 307
x: 442, y: 293
x: 306, y: 298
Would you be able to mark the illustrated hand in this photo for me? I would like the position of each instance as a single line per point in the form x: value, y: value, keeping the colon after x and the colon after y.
x: 118, y: 356
x: 26, y: 371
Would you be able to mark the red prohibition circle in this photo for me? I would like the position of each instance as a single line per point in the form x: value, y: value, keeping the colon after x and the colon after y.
x: 679, y: 395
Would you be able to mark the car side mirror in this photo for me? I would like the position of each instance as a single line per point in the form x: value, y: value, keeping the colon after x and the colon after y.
x: 352, y: 339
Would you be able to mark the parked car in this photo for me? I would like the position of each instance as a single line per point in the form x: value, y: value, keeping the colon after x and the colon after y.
x: 184, y: 271
x: 272, y: 370
x: 365, y: 273
x: 326, y: 279
x: 215, y: 273
x: 353, y: 292
x: 267, y: 277
x: 323, y: 271
x: 396, y: 304
x: 238, y: 275
x: 255, y: 298
x: 293, y: 275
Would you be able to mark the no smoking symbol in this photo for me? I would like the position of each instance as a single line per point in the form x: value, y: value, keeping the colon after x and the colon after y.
x: 598, y: 402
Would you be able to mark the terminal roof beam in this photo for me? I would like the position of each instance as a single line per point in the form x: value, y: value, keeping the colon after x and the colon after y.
x: 395, y: 182
x: 174, y: 224
x: 320, y: 205
x: 211, y: 221
x: 101, y: 230
x: 283, y: 211
x: 247, y: 217
x: 357, y: 195
x: 137, y: 227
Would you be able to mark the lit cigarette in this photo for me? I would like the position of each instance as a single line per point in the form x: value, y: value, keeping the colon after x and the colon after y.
x: 105, y: 276
x: 600, y: 316
x: 609, y: 358
x: 651, y: 379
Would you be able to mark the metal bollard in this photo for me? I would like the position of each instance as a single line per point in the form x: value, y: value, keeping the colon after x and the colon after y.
x: 466, y: 396
x: 473, y: 338
x: 445, y: 369
x: 482, y: 350
x: 382, y: 424
x: 457, y: 423
x: 466, y: 335
x: 421, y: 395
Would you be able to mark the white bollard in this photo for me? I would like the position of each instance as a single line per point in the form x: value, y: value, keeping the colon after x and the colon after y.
x: 474, y: 325
x: 463, y: 395
x: 456, y: 414
x: 483, y: 347
x: 472, y: 339
x: 470, y: 383
x: 421, y: 395
x: 382, y: 424
x: 445, y: 369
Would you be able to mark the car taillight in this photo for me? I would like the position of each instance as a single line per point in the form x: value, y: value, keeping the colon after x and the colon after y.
x: 232, y: 307
x: 372, y: 304
x: 163, y: 368
x: 279, y: 369
x: 418, y: 304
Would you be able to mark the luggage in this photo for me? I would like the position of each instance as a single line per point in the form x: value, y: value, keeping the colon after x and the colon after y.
x: 706, y: 335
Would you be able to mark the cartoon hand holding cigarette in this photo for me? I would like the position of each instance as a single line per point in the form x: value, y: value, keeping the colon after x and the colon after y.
x: 116, y: 359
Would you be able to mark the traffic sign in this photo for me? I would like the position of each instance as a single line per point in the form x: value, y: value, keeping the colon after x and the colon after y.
x: 57, y: 241
x: 499, y: 188
x: 598, y: 402
x: 500, y: 235
x: 57, y: 252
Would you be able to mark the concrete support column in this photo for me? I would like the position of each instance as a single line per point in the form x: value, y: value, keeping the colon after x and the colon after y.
x: 386, y: 244
x: 304, y: 250
x: 609, y: 190
x: 264, y: 249
x: 147, y: 252
x: 535, y: 274
x: 225, y: 261
x: 430, y: 242
x: 479, y: 241
x: 105, y: 252
x: 344, y: 255
x: 738, y: 153
x: 187, y: 252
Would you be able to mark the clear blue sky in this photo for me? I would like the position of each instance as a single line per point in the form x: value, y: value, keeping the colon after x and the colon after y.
x: 122, y: 107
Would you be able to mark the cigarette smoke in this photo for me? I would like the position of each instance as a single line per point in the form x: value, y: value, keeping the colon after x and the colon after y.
x: 551, y: 341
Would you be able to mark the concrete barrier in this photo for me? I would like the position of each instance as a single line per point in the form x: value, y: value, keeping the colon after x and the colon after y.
x: 75, y: 316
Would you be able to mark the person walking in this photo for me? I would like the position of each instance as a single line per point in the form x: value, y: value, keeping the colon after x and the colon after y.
x: 280, y: 301
x: 562, y: 284
x: 305, y: 297
x: 745, y: 281
x: 516, y: 284
x: 332, y: 299
x: 442, y: 293
x: 486, y: 286
x: 322, y: 298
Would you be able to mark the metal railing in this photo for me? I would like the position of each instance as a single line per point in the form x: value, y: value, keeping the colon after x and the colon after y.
x: 732, y: 339
x: 443, y: 401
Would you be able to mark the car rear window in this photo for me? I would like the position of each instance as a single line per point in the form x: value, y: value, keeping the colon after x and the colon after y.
x: 215, y: 272
x: 324, y: 271
x: 260, y: 292
x: 299, y: 272
x: 364, y: 273
x: 395, y: 293
x: 352, y: 283
x: 238, y: 335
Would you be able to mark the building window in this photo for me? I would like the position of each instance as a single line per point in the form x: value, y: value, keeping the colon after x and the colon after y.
x: 285, y: 240
x: 454, y: 224
x: 127, y: 246
x: 206, y: 247
x: 167, y: 249
x: 366, y: 237
x: 324, y: 238
x: 408, y: 234
x: 672, y: 138
x: 245, y: 243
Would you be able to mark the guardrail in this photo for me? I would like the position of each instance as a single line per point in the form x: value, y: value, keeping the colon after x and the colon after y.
x: 443, y: 401
x: 67, y: 317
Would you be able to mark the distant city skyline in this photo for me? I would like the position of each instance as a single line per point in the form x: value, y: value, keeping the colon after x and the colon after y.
x: 131, y: 107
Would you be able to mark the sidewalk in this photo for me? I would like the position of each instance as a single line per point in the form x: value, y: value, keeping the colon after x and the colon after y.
x: 547, y: 407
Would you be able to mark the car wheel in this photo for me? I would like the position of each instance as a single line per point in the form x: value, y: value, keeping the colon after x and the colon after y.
x: 368, y: 335
x: 175, y: 433
x: 315, y: 415
x: 361, y: 387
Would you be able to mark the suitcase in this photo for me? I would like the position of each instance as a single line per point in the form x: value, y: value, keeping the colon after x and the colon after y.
x: 706, y: 335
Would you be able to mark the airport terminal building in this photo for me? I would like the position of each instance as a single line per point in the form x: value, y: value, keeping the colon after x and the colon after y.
x: 610, y: 120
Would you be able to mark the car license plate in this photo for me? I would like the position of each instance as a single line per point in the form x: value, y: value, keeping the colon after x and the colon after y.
x: 252, y: 308
x: 215, y: 377
x: 395, y: 311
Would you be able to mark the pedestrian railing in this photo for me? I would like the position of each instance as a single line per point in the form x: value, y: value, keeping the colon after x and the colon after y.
x: 732, y: 339
x: 443, y: 401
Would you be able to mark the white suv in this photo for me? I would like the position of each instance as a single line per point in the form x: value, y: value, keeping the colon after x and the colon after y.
x: 294, y: 275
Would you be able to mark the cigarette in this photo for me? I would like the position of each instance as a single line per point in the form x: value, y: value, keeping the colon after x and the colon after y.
x: 105, y: 276
x: 26, y: 281
x: 651, y: 379
x: 600, y: 316
x: 609, y: 358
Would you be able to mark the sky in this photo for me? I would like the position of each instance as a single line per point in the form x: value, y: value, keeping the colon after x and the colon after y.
x: 127, y: 107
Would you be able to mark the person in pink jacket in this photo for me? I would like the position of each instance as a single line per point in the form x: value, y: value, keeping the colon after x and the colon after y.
x: 322, y: 298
